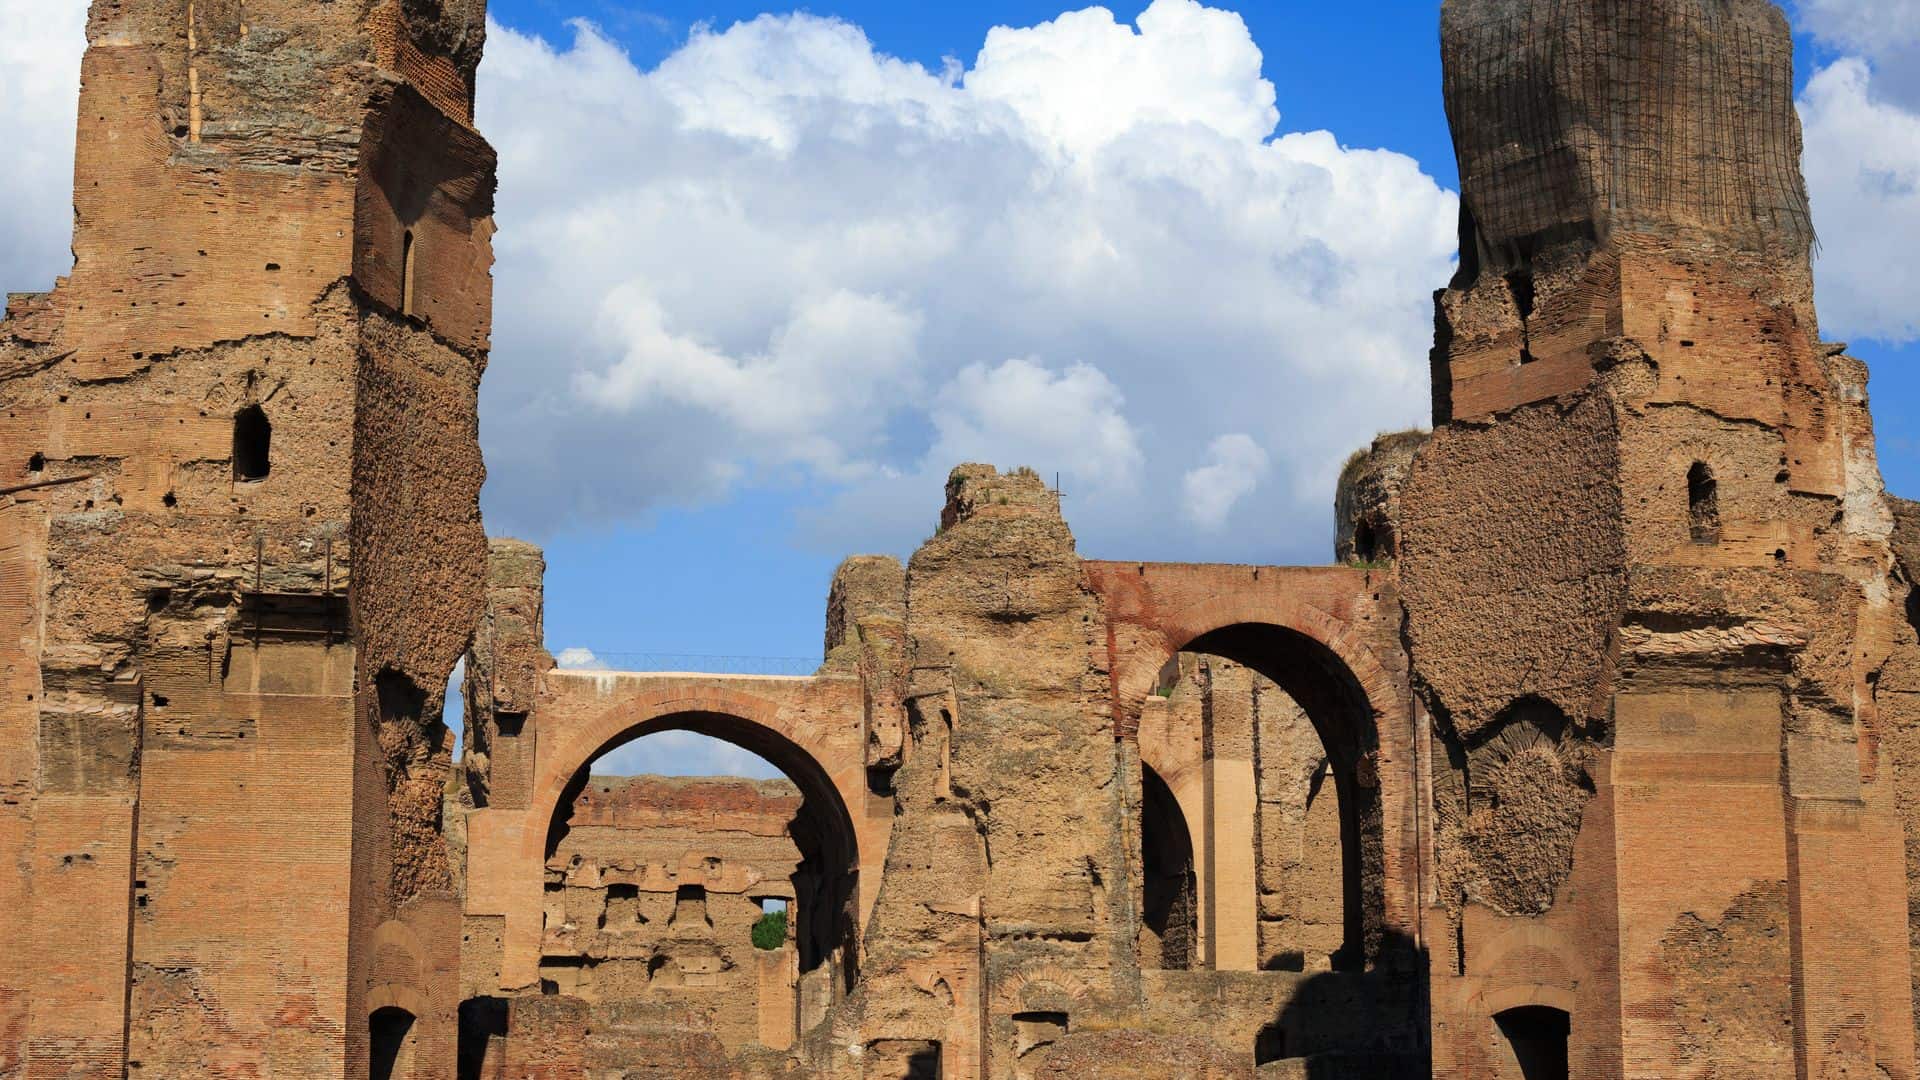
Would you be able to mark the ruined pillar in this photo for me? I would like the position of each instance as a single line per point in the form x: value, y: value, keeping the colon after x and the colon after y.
x: 1646, y: 568
x: 241, y: 507
x: 1233, y: 890
x: 1006, y: 898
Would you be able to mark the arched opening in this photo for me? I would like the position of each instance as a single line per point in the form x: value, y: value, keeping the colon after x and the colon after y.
x: 1537, y: 1037
x: 483, y: 1037
x: 1703, y: 504
x: 661, y: 876
x: 252, y: 444
x: 1036, y: 1030
x: 390, y: 1044
x: 1300, y: 715
x: 406, y: 273
x: 1169, y: 908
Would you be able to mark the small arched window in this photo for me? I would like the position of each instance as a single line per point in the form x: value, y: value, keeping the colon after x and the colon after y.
x: 406, y: 273
x: 252, y: 444
x: 1703, y: 504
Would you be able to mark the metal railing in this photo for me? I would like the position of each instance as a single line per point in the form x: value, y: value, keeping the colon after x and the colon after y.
x: 705, y: 664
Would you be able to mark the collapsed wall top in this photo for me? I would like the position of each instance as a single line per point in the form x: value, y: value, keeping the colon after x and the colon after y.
x: 1578, y: 118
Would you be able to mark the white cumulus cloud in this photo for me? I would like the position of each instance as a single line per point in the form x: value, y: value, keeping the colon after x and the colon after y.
x: 1886, y: 32
x: 1084, y: 80
x: 578, y: 659
x: 40, y: 47
x: 1235, y: 466
x: 1018, y: 412
x: 1861, y: 115
x: 781, y: 256
x: 1863, y: 174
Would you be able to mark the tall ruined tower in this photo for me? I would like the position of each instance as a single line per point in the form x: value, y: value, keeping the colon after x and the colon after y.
x: 240, y: 546
x: 1646, y: 565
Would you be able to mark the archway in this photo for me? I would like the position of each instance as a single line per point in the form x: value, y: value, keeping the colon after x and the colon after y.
x: 1169, y: 908
x: 390, y: 1044
x: 1325, y: 689
x: 1536, y: 1036
x: 827, y: 880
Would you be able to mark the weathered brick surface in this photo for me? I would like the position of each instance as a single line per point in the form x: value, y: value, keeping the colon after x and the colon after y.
x: 1605, y: 732
x: 227, y: 839
x: 1647, y: 571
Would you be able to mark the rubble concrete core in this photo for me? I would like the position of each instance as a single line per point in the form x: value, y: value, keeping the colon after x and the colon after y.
x: 1595, y: 754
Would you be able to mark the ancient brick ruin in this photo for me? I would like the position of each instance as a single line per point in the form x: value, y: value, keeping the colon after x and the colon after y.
x: 1596, y: 754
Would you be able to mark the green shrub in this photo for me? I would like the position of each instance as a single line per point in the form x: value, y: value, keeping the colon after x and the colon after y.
x: 771, y: 931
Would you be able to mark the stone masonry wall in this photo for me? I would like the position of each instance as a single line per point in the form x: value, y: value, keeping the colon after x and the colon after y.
x: 212, y: 837
x: 654, y: 891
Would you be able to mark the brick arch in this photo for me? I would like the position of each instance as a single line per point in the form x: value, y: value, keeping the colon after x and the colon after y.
x: 1183, y: 626
x: 703, y: 710
x: 1552, y: 995
x: 1531, y: 965
x: 825, y: 761
x: 1049, y: 983
x: 1148, y: 631
x: 397, y: 996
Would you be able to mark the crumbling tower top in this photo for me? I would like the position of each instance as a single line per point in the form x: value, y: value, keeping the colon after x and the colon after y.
x: 1579, y: 119
x: 1630, y: 188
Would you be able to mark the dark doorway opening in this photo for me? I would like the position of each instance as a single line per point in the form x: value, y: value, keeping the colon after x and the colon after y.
x: 1270, y: 1044
x: 1538, y: 1035
x: 1168, y: 886
x: 389, y: 1031
x: 252, y: 444
x: 1703, y: 504
x: 483, y: 1034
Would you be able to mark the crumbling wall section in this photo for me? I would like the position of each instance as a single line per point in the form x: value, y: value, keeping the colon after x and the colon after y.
x: 1657, y: 116
x: 1897, y: 698
x: 1009, y: 857
x: 867, y: 636
x: 422, y: 252
x: 187, y: 405
x: 1513, y: 568
x: 564, y: 1038
x: 1366, y: 505
x: 1632, y: 368
x: 503, y: 671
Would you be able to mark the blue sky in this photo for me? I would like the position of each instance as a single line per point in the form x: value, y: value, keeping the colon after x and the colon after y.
x: 734, y: 577
x: 763, y: 276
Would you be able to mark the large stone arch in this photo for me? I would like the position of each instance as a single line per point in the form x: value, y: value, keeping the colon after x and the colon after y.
x: 1134, y: 676
x: 810, y: 728
x: 1351, y: 618
x: 751, y: 722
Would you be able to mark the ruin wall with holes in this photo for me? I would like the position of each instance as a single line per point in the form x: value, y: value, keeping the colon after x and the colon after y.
x: 1593, y: 755
x: 655, y: 890
x: 240, y: 546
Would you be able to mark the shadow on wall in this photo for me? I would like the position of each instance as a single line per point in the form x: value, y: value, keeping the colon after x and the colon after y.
x: 1169, y: 912
x: 1341, y: 1025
